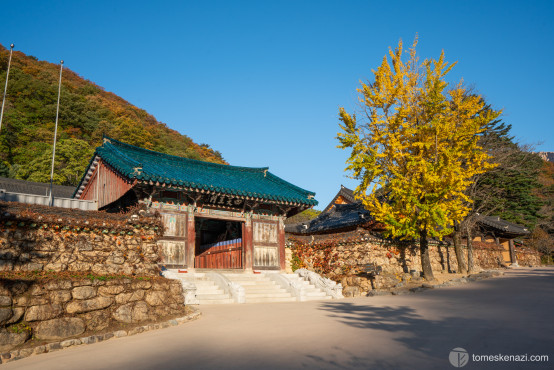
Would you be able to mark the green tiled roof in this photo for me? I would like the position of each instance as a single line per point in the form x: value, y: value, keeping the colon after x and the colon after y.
x: 146, y: 165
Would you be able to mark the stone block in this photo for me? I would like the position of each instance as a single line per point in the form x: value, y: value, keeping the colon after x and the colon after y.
x: 51, y: 347
x: 132, y: 312
x: 97, y: 320
x: 70, y: 343
x: 120, y: 333
x: 140, y: 312
x: 88, y: 340
x: 123, y: 314
x: 108, y: 336
x: 17, y: 315
x: 111, y: 290
x: 136, y: 330
x: 61, y: 328
x: 60, y: 296
x: 83, y: 292
x: 156, y: 298
x: 141, y: 284
x: 351, y: 291
x: 5, y: 300
x: 5, y: 314
x: 43, y: 312
x: 88, y: 305
x: 9, y: 340
x: 58, y: 284
x: 26, y: 352
x: 123, y: 298
x: 31, y: 266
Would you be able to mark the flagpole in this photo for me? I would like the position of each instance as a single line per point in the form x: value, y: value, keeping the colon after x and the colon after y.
x: 6, y: 86
x: 55, y: 135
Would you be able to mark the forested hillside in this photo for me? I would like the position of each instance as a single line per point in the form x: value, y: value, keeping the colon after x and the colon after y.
x: 87, y: 112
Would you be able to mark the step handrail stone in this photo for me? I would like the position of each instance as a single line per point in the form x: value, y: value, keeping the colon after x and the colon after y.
x: 327, y: 285
x: 189, y: 288
x: 235, y: 290
x: 294, y: 288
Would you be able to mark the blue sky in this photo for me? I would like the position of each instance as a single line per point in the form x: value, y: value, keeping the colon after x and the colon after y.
x: 262, y: 81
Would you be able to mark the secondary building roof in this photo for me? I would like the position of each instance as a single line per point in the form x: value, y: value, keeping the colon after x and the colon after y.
x: 35, y: 188
x: 347, y: 195
x: 502, y: 227
x: 341, y: 217
x: 147, y: 166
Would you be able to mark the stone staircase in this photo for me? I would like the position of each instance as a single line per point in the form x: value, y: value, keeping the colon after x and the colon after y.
x: 259, y: 288
x: 215, y: 287
x: 310, y: 292
x: 207, y: 292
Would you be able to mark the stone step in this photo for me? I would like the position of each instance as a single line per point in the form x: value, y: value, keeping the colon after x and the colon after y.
x: 272, y: 299
x: 208, y: 296
x: 203, y: 283
x: 267, y: 294
x: 316, y: 294
x: 210, y: 291
x: 248, y: 280
x: 216, y: 301
x: 254, y: 289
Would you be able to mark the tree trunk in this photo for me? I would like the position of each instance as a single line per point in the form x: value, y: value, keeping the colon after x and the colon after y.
x: 425, y: 258
x: 462, y: 268
x: 470, y: 263
x: 513, y: 256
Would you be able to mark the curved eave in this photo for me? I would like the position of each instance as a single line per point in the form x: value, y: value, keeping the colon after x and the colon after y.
x: 210, y: 190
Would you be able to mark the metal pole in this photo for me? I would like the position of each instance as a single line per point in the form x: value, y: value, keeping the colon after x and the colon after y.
x: 55, y: 135
x: 6, y: 86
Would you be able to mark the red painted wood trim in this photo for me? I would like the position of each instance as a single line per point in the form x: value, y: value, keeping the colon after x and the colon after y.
x: 281, y: 246
x: 247, y: 243
x: 190, y: 245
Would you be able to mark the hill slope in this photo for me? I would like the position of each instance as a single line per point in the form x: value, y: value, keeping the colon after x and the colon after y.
x: 87, y: 112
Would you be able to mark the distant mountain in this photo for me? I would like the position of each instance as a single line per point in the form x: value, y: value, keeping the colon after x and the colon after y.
x: 87, y: 112
x: 547, y: 156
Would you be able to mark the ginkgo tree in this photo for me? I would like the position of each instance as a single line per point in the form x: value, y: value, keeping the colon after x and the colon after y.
x: 417, y: 143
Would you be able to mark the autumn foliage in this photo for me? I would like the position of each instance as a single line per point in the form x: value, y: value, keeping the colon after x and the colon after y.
x: 87, y: 112
x: 417, y: 142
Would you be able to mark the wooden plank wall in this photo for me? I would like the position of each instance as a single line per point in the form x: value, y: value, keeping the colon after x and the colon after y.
x: 106, y: 184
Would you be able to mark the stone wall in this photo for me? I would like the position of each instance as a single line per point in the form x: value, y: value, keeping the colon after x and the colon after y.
x: 342, y: 257
x: 36, y: 312
x: 36, y: 239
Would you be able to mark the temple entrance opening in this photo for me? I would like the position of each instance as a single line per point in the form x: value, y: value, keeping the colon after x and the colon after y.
x: 219, y: 243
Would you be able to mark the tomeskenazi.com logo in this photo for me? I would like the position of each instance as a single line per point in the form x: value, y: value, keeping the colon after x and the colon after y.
x: 458, y: 357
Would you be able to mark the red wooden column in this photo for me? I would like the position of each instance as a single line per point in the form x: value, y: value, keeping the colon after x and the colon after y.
x: 248, y: 245
x: 281, y: 245
x: 191, y: 241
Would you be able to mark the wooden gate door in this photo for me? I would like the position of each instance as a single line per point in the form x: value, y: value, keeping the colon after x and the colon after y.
x: 222, y: 255
x: 173, y: 242
x: 266, y: 245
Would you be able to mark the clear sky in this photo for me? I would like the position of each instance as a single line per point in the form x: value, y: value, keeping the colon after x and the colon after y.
x: 262, y: 81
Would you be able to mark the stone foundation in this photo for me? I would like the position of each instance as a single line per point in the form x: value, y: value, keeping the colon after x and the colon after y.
x: 342, y: 258
x: 96, y: 242
x: 61, y: 309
